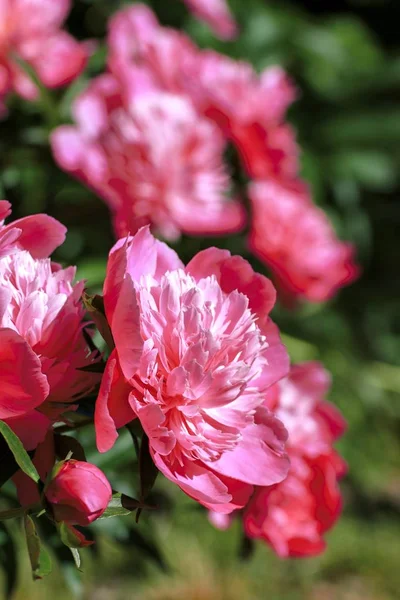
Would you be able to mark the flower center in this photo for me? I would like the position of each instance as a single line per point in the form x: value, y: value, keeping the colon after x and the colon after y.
x: 203, y: 352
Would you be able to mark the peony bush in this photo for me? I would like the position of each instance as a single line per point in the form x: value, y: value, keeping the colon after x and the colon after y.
x: 178, y: 142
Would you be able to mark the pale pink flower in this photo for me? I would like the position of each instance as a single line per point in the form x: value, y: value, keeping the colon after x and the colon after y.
x: 41, y: 313
x: 31, y: 30
x: 154, y: 160
x: 195, y: 352
x: 296, y: 240
x: 216, y: 14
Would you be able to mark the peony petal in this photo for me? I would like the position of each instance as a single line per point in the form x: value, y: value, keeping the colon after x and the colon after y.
x: 24, y: 386
x: 112, y: 406
x: 126, y: 329
x: 259, y: 458
x: 40, y: 234
x: 31, y: 428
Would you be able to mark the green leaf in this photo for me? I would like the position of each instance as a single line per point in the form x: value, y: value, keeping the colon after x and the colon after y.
x: 20, y: 454
x: 115, y: 508
x: 76, y: 555
x: 12, y: 513
x: 38, y: 555
x: 122, y: 505
x: 71, y: 537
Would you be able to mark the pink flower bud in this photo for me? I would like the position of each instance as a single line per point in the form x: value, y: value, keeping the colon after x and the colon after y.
x: 79, y: 493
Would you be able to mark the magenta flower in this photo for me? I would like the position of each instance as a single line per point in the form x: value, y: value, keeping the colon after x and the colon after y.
x: 31, y: 30
x: 294, y: 515
x: 195, y: 353
x: 216, y: 14
x: 79, y: 493
x: 153, y: 159
x: 296, y: 240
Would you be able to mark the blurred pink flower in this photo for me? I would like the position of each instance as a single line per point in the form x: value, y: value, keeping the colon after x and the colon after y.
x: 195, y: 353
x: 216, y: 14
x: 249, y: 108
x: 139, y: 47
x: 296, y: 240
x: 31, y: 30
x: 154, y: 160
x: 294, y: 515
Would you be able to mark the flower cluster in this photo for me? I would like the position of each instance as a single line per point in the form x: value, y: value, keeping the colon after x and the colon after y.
x: 150, y: 138
x: 192, y: 363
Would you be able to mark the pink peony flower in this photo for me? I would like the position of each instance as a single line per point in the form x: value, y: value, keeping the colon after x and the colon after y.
x: 79, y: 493
x: 30, y: 30
x: 297, y: 242
x: 294, y: 515
x: 41, y: 325
x: 195, y: 352
x: 123, y: 150
x: 216, y: 14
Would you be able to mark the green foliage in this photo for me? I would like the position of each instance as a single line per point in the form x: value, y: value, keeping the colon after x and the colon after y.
x: 346, y: 63
x: 38, y: 555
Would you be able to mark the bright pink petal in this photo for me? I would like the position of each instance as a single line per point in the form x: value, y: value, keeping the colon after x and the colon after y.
x: 31, y: 428
x: 5, y: 209
x: 125, y: 326
x: 40, y: 234
x: 207, y: 262
x: 112, y: 406
x: 24, y: 386
x: 139, y: 255
x: 259, y: 458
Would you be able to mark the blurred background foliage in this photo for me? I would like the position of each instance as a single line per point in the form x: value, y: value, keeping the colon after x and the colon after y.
x: 345, y: 59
